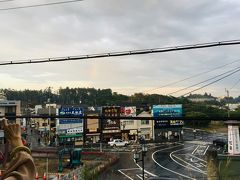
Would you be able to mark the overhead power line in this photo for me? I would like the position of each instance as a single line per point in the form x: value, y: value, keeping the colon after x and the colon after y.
x: 191, y: 77
x: 6, y: 0
x: 203, y: 81
x: 124, y: 53
x: 38, y: 5
x: 236, y: 83
x: 211, y: 83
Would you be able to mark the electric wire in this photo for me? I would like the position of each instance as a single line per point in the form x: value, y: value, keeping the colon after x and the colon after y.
x: 203, y: 81
x: 191, y: 77
x: 38, y: 5
x: 211, y: 83
x: 235, y: 84
x: 123, y: 53
x: 6, y: 1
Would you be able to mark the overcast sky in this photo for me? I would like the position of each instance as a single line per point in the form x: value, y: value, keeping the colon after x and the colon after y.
x: 95, y: 26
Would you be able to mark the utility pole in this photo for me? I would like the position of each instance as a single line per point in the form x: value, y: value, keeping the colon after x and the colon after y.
x: 228, y: 102
x: 49, y: 122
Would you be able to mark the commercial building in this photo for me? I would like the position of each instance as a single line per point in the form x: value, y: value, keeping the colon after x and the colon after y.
x: 110, y: 126
x: 10, y: 108
x: 46, y: 126
x: 92, y: 128
x: 168, y: 130
x: 129, y: 127
x: 70, y: 129
x: 145, y: 127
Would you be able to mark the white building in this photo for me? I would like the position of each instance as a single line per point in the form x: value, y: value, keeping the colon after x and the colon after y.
x: 10, y: 108
x: 233, y: 107
x: 133, y: 129
x: 145, y: 127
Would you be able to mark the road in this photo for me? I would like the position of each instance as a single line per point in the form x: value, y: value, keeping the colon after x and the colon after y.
x: 185, y: 160
x: 169, y: 161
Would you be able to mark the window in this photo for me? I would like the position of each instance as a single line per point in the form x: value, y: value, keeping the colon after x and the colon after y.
x: 130, y: 122
x: 144, y: 121
x: 10, y: 109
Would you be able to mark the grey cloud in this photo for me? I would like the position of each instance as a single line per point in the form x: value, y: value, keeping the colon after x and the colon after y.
x: 94, y: 26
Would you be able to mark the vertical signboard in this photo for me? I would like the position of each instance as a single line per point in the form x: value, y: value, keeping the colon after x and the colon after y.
x: 71, y: 125
x: 108, y: 123
x: 92, y: 124
x: 233, y: 140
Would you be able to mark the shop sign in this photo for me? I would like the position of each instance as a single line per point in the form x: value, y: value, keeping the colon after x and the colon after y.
x: 111, y: 111
x: 70, y: 121
x: 71, y: 111
x: 233, y: 140
x: 176, y: 122
x: 128, y: 111
x: 75, y: 130
x: 111, y: 131
x: 172, y: 110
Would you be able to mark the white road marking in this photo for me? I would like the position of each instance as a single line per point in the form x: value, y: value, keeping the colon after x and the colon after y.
x: 195, y: 150
x: 125, y: 175
x: 205, y: 150
x: 146, y: 170
x: 203, y: 164
x: 129, y: 169
x: 167, y: 168
x: 139, y: 176
x: 201, y: 150
x: 193, y: 167
x: 197, y: 158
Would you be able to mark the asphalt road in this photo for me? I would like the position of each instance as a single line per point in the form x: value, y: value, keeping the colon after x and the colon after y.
x: 168, y: 161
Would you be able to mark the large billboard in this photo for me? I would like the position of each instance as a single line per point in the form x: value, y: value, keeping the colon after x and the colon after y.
x: 111, y: 111
x: 71, y: 125
x: 170, y: 110
x: 128, y: 111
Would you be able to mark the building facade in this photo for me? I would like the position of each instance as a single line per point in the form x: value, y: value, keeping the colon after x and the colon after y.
x: 110, y: 126
x: 92, y: 128
x: 129, y: 127
x: 70, y: 128
x: 164, y: 129
x: 145, y: 127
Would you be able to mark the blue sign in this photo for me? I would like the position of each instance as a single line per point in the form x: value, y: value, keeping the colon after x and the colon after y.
x: 174, y: 110
x: 72, y: 111
x: 70, y: 121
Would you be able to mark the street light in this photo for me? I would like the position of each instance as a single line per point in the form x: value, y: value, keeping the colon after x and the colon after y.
x: 136, y: 157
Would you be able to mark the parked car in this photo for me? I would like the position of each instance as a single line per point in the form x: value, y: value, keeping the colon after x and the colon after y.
x: 220, y: 142
x: 118, y: 142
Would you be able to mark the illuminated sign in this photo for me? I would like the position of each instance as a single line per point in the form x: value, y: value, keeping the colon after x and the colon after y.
x: 171, y: 110
x: 72, y: 111
x: 111, y: 111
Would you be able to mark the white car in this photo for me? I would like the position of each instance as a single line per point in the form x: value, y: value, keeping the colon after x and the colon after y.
x: 117, y: 142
